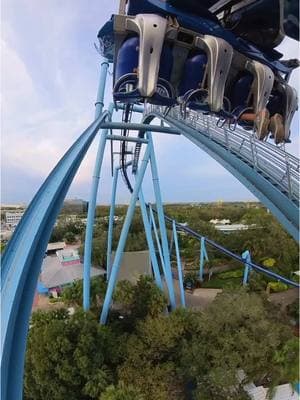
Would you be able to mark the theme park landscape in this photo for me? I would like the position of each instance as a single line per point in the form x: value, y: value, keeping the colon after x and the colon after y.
x: 230, y: 341
x: 152, y: 289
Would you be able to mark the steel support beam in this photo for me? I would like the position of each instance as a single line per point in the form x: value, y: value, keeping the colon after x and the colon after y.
x: 139, y: 127
x: 111, y: 221
x: 122, y: 241
x: 179, y: 266
x: 94, y: 189
x: 286, y: 212
x: 203, y: 258
x: 101, y: 88
x: 126, y: 139
x: 153, y: 224
x: 23, y: 258
x: 247, y: 266
x: 150, y: 243
x: 161, y: 221
x: 135, y: 108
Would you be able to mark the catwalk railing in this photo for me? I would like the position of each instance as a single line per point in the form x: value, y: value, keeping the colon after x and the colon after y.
x: 272, y: 162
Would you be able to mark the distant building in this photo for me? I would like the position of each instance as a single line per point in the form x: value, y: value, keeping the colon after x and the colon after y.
x: 233, y: 227
x: 13, y: 218
x: 75, y: 206
x: 116, y: 218
x: 68, y: 257
x: 52, y: 248
x: 13, y: 206
x: 61, y: 270
x: 281, y: 392
x: 220, y: 221
x: 133, y: 265
x: 5, y: 235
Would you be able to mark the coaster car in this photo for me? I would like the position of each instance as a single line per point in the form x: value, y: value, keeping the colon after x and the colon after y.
x: 144, y: 63
x: 182, y: 52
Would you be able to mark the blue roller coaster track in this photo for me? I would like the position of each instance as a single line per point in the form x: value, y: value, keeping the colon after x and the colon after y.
x: 268, y: 171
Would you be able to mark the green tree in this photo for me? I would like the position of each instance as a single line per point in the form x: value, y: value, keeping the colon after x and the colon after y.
x: 237, y: 331
x: 152, y: 355
x: 124, y: 293
x: 73, y: 294
x: 146, y: 299
x: 2, y: 247
x: 137, y: 302
x: 293, y: 311
x: 69, y: 237
x: 122, y: 392
x: 57, y: 234
x: 68, y: 357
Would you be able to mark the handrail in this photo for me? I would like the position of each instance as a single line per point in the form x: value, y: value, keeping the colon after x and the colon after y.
x: 275, y: 164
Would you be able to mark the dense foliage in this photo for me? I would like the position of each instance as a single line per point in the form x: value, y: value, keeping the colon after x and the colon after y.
x: 69, y: 230
x: 73, y: 295
x: 68, y: 357
x: 136, y: 238
x: 146, y: 354
x: 265, y: 239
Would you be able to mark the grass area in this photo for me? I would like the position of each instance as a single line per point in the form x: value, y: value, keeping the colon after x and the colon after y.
x: 225, y: 280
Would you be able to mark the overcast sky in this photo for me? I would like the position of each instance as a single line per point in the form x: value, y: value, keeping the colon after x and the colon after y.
x: 49, y: 76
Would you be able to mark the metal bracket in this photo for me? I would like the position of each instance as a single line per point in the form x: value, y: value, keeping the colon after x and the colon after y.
x: 291, y: 105
x: 151, y: 29
x: 262, y: 84
x: 219, y: 54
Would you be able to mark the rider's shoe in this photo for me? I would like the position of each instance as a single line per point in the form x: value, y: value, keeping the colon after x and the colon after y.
x: 261, y: 123
x: 277, y: 128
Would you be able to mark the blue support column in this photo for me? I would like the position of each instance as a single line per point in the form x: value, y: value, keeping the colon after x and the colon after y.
x: 22, y: 260
x: 153, y: 223
x: 149, y: 238
x: 101, y: 88
x: 161, y: 221
x: 124, y: 233
x: 94, y: 190
x: 111, y: 221
x: 203, y: 258
x: 91, y: 217
x: 179, y: 266
x: 247, y: 266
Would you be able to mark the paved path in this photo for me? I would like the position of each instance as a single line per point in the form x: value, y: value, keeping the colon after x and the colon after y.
x: 199, y: 299
x: 285, y: 298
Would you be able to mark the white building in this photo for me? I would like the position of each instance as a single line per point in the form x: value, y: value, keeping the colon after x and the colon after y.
x: 13, y: 218
x: 220, y: 221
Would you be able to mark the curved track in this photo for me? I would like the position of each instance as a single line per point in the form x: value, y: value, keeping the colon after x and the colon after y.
x: 270, y: 173
x: 22, y: 260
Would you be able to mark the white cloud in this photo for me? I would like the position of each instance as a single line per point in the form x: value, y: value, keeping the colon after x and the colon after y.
x: 50, y: 77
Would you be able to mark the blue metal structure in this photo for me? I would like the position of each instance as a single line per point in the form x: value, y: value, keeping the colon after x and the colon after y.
x: 23, y: 256
x: 158, y: 244
x: 150, y: 242
x: 268, y: 171
x: 111, y: 221
x: 203, y: 258
x: 123, y: 237
x: 247, y: 257
x: 244, y: 259
x: 21, y: 262
x: 179, y: 267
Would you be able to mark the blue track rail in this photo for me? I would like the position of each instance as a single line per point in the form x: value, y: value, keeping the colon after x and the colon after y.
x: 256, y: 267
x: 261, y: 168
x: 270, y: 173
x: 22, y: 260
